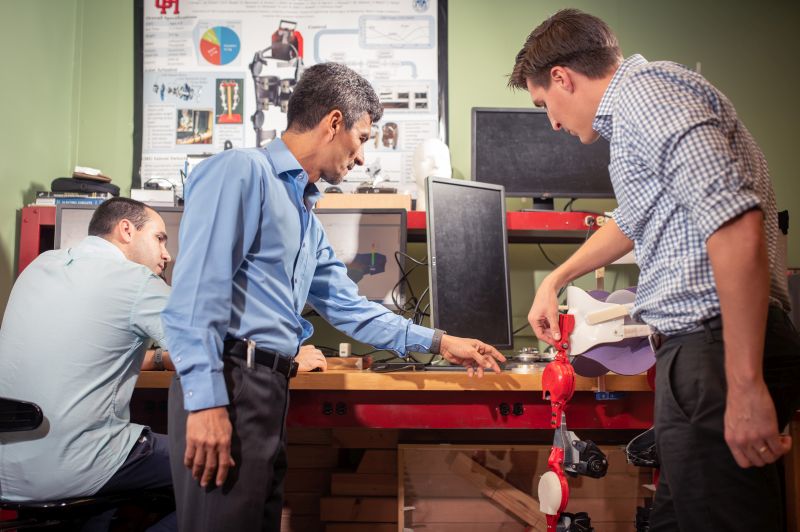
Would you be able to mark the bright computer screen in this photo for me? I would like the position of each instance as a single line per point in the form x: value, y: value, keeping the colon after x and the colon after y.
x: 367, y: 242
x: 517, y: 148
x: 468, y: 260
x: 72, y: 226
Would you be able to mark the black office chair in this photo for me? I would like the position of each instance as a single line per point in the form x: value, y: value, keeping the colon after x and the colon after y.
x: 17, y: 416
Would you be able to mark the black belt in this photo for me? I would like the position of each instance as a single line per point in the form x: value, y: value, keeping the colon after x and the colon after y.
x: 282, y: 364
x: 712, y: 324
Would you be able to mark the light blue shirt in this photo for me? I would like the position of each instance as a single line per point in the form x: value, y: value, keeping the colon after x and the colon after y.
x: 72, y: 341
x: 682, y: 165
x: 251, y: 255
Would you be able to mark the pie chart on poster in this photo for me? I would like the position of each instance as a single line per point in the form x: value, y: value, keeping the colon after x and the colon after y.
x: 219, y: 45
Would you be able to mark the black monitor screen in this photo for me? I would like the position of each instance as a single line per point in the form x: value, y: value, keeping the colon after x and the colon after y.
x: 367, y: 241
x: 517, y: 148
x: 72, y: 226
x: 468, y: 260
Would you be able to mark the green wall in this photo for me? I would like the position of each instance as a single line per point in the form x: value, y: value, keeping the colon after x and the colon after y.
x: 749, y: 50
x: 68, y: 92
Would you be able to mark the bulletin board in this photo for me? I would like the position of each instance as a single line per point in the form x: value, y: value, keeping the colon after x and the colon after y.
x: 217, y: 74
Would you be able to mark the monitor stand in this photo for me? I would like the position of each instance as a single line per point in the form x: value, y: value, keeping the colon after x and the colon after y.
x: 541, y: 205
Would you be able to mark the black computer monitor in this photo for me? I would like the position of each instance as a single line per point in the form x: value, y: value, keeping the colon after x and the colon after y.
x: 367, y: 242
x: 72, y: 226
x: 468, y: 260
x: 517, y: 148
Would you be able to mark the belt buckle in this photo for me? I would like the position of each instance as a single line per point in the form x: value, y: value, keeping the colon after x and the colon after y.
x: 251, y: 354
x: 655, y: 340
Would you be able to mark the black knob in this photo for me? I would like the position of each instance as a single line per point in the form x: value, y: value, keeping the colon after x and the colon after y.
x: 504, y: 409
x: 518, y: 409
x: 327, y: 408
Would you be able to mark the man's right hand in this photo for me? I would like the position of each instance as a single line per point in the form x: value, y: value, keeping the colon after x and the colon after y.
x: 208, y: 445
x: 543, y: 315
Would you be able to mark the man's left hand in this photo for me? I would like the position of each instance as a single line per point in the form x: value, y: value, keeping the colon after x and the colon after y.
x: 751, y: 427
x: 310, y: 358
x: 473, y: 354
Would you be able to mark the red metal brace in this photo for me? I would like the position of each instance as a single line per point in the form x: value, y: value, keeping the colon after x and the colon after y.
x: 558, y: 385
x: 558, y: 379
x: 555, y: 463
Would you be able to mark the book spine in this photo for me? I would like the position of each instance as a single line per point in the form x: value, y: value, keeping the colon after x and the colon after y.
x: 46, y: 194
x: 78, y: 200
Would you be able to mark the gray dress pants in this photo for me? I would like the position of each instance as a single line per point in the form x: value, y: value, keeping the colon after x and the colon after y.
x: 252, y: 496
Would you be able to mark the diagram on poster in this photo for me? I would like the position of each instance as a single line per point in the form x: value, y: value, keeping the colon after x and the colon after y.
x: 218, y: 74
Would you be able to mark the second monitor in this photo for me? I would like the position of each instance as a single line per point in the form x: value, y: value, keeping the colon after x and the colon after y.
x: 370, y: 242
x: 72, y: 226
x: 468, y: 260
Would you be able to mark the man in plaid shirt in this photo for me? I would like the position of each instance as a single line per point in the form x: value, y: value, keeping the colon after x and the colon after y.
x: 696, y: 204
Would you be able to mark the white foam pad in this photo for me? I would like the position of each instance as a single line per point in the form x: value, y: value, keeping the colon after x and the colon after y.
x: 549, y: 493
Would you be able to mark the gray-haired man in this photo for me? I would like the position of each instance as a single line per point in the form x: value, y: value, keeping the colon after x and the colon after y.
x: 252, y: 255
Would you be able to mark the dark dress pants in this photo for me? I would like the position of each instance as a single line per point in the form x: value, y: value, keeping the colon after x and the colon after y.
x: 701, y: 488
x: 147, y: 467
x: 252, y: 496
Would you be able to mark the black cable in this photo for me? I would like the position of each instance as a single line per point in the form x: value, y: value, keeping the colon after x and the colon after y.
x: 520, y: 329
x: 411, y: 301
x: 568, y: 206
x: 414, y: 319
x: 545, y: 255
x: 335, y: 352
x: 331, y: 350
x: 561, y: 291
x: 423, y: 262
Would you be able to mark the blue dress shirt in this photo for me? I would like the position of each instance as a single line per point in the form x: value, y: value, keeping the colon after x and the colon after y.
x: 682, y: 165
x: 252, y: 253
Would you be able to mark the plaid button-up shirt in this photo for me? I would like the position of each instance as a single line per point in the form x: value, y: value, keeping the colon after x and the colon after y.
x: 682, y: 165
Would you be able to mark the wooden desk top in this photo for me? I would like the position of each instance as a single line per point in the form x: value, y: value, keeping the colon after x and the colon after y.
x: 426, y: 381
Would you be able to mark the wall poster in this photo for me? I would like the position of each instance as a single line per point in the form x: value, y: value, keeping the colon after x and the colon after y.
x: 216, y: 74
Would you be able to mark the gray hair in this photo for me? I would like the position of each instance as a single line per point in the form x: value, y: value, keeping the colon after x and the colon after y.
x: 329, y: 86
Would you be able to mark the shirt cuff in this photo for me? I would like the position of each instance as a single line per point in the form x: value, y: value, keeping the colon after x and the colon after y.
x: 714, y: 211
x: 418, y: 338
x: 623, y: 226
x: 203, y: 390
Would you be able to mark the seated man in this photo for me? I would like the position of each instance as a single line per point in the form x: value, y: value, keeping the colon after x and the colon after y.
x: 73, y: 340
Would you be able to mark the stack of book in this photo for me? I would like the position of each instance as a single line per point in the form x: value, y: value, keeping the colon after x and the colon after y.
x: 44, y: 197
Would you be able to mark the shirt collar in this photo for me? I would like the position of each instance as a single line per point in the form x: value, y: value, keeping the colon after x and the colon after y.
x: 96, y: 245
x: 603, y: 118
x: 286, y: 166
x: 283, y: 160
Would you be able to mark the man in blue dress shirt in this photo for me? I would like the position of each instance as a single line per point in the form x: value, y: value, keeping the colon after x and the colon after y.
x: 252, y: 255
x: 697, y: 206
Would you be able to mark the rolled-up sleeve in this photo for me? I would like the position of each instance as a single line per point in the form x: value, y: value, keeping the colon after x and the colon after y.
x: 686, y: 144
x: 224, y: 198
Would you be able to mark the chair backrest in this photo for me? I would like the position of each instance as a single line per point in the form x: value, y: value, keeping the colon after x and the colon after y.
x: 16, y: 415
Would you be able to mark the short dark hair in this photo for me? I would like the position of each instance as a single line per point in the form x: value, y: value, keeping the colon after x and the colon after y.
x: 328, y: 86
x: 111, y: 211
x: 570, y: 38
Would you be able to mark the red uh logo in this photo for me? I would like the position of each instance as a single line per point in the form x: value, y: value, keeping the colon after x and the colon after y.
x: 163, y: 5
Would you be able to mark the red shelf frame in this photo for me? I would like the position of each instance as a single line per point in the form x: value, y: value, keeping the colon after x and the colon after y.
x: 552, y: 227
x: 30, y: 233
